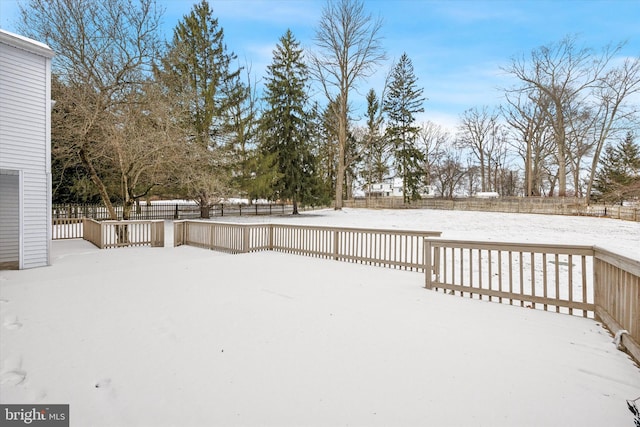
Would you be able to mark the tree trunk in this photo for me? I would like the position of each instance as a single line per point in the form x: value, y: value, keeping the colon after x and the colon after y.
x: 204, y: 211
x: 342, y: 142
x: 528, y: 170
x: 102, y: 189
x: 561, y: 147
x: 127, y: 206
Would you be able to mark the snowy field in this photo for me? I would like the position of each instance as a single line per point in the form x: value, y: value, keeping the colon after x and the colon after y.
x: 190, y: 337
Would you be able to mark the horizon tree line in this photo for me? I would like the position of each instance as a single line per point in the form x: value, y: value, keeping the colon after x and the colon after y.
x: 137, y: 117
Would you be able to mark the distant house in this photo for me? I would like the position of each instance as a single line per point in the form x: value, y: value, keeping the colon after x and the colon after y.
x: 486, y: 195
x: 25, y: 152
x: 392, y: 187
x: 389, y: 187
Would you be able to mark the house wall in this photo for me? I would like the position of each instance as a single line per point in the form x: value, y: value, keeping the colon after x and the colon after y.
x: 25, y: 142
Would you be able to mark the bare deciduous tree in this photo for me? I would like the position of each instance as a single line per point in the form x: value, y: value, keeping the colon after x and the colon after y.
x: 614, y: 110
x: 449, y: 173
x: 567, y: 76
x: 104, y: 51
x: 146, y: 144
x: 349, y: 48
x: 432, y: 138
x: 481, y: 132
x: 531, y: 136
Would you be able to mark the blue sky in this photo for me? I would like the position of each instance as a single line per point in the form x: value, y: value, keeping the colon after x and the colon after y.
x: 457, y: 46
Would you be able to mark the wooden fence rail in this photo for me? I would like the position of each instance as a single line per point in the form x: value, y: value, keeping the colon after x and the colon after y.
x: 172, y: 210
x: 112, y: 234
x: 390, y: 248
x: 537, y: 205
x: 583, y: 280
x: 225, y: 237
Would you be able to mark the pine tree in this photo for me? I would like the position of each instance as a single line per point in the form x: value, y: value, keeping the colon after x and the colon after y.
x: 318, y: 145
x: 197, y: 70
x: 327, y: 148
x: 629, y: 153
x: 618, y: 178
x: 242, y: 141
x: 285, y: 131
x: 403, y: 100
x: 374, y: 144
x: 198, y: 65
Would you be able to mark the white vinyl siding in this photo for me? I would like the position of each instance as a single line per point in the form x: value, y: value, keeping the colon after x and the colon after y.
x: 25, y: 142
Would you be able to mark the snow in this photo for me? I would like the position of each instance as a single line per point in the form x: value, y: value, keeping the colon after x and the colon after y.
x: 191, y: 337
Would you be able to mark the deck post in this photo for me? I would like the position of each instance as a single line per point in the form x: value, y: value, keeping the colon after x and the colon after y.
x: 427, y: 263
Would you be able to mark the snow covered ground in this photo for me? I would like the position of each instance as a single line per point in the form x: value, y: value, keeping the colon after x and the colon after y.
x: 189, y: 337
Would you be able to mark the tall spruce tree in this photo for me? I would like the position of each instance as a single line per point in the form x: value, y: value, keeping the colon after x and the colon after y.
x: 328, y: 150
x: 285, y: 133
x: 618, y: 178
x: 403, y: 100
x: 197, y: 69
x: 374, y: 145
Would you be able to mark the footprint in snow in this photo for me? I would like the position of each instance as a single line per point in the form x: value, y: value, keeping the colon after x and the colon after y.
x: 13, y: 377
x: 11, y: 323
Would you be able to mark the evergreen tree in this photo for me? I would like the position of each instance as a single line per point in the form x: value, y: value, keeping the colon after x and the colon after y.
x: 374, y: 144
x: 243, y: 118
x: 322, y: 146
x: 328, y: 148
x: 403, y: 100
x: 284, y: 126
x: 197, y: 70
x: 618, y: 178
x: 198, y: 65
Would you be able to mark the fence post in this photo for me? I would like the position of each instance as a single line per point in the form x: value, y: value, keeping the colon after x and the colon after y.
x: 102, y: 232
x: 270, y: 235
x: 427, y: 263
x: 335, y: 244
x: 157, y: 239
x: 245, y: 239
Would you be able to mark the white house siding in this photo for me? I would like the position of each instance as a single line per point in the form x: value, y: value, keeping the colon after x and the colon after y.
x: 25, y: 93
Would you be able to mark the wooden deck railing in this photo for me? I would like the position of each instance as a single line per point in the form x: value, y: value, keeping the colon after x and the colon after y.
x: 551, y: 276
x: 582, y: 280
x: 225, y: 237
x: 390, y: 248
x: 617, y: 297
x: 66, y: 228
x: 112, y: 234
x: 380, y: 247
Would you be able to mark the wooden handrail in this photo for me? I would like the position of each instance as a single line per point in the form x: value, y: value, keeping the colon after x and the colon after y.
x: 385, y: 247
x: 590, y: 280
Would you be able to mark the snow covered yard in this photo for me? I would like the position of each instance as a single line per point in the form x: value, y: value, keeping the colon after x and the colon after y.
x: 190, y: 337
